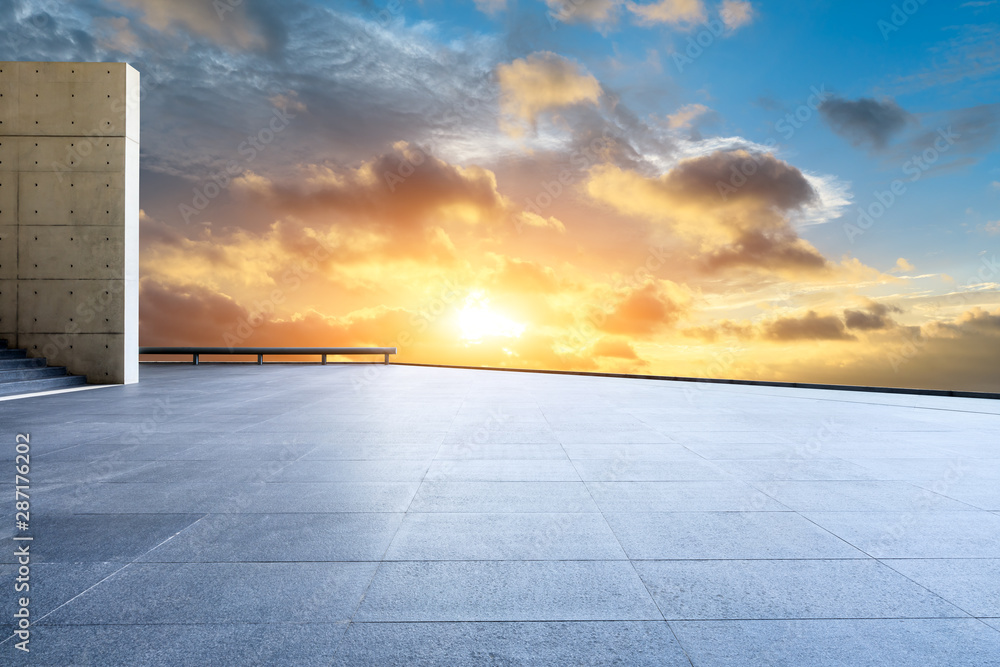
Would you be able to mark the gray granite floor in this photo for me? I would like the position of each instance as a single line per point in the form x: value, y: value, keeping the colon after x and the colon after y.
x: 363, y: 514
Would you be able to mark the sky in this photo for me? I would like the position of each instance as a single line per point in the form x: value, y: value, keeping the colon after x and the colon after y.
x: 790, y: 191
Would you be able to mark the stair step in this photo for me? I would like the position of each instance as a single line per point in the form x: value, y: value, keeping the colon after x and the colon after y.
x: 44, y: 384
x: 31, y: 373
x: 16, y: 364
x: 20, y: 374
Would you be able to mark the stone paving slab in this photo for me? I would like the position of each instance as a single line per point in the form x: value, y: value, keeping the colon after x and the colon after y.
x: 568, y: 644
x: 495, y: 590
x: 390, y: 515
x: 835, y: 643
x: 781, y: 589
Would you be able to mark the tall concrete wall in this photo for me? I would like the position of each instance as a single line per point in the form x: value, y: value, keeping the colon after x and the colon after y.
x: 69, y: 215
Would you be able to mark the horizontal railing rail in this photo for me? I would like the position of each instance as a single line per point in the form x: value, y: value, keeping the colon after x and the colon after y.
x: 323, y: 352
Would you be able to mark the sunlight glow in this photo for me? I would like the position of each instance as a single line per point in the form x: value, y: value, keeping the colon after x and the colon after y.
x: 478, y: 321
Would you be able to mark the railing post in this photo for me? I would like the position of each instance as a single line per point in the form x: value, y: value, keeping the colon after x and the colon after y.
x: 195, y: 358
x: 260, y: 359
x: 324, y: 360
x: 387, y: 359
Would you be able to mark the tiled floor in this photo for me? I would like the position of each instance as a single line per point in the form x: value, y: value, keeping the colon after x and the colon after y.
x: 352, y: 515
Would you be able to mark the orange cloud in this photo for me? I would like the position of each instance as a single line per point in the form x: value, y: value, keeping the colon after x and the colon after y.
x: 529, y: 219
x: 397, y: 191
x: 736, y: 13
x: 542, y: 82
x: 902, y: 266
x: 974, y: 322
x: 527, y: 277
x: 614, y: 347
x: 734, y: 219
x: 236, y: 27
x: 684, y: 13
x: 646, y: 310
x: 686, y: 115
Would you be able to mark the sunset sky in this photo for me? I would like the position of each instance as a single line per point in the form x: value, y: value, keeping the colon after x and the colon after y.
x: 796, y: 191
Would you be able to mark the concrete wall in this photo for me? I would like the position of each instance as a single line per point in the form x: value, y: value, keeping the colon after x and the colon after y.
x: 69, y: 215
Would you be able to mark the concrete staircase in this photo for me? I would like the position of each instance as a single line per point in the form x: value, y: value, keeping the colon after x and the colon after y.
x: 21, y: 375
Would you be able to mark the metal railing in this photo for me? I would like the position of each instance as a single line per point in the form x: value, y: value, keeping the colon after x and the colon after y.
x: 196, y: 352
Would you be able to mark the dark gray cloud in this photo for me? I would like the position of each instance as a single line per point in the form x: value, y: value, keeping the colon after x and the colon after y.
x: 875, y: 317
x: 866, y: 121
x: 975, y: 322
x: 772, y: 183
x: 779, y: 250
x: 811, y: 326
x: 409, y: 190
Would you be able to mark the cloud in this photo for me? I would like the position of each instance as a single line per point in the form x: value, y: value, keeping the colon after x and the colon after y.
x: 992, y: 228
x: 529, y: 219
x: 726, y: 328
x: 811, y: 326
x: 542, y: 82
x: 403, y: 205
x: 980, y: 321
x: 523, y: 277
x: 902, y: 266
x: 956, y: 137
x: 491, y: 7
x: 967, y: 57
x: 289, y: 102
x: 613, y: 347
x: 773, y: 183
x: 745, y: 225
x: 970, y: 131
x: 180, y: 314
x: 248, y: 25
x: 372, y: 84
x: 116, y: 34
x: 976, y: 322
x: 736, y: 14
x: 679, y: 13
x: 865, y: 121
x: 584, y: 11
x: 808, y: 326
x: 398, y: 192
x: 776, y: 251
x: 177, y: 314
x: 874, y: 317
x: 647, y: 310
x: 693, y: 184
x: 684, y: 117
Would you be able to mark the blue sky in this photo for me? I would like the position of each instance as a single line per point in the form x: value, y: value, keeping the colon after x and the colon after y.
x: 936, y: 62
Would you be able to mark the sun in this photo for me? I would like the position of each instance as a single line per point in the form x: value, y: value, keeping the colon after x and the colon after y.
x: 478, y: 321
